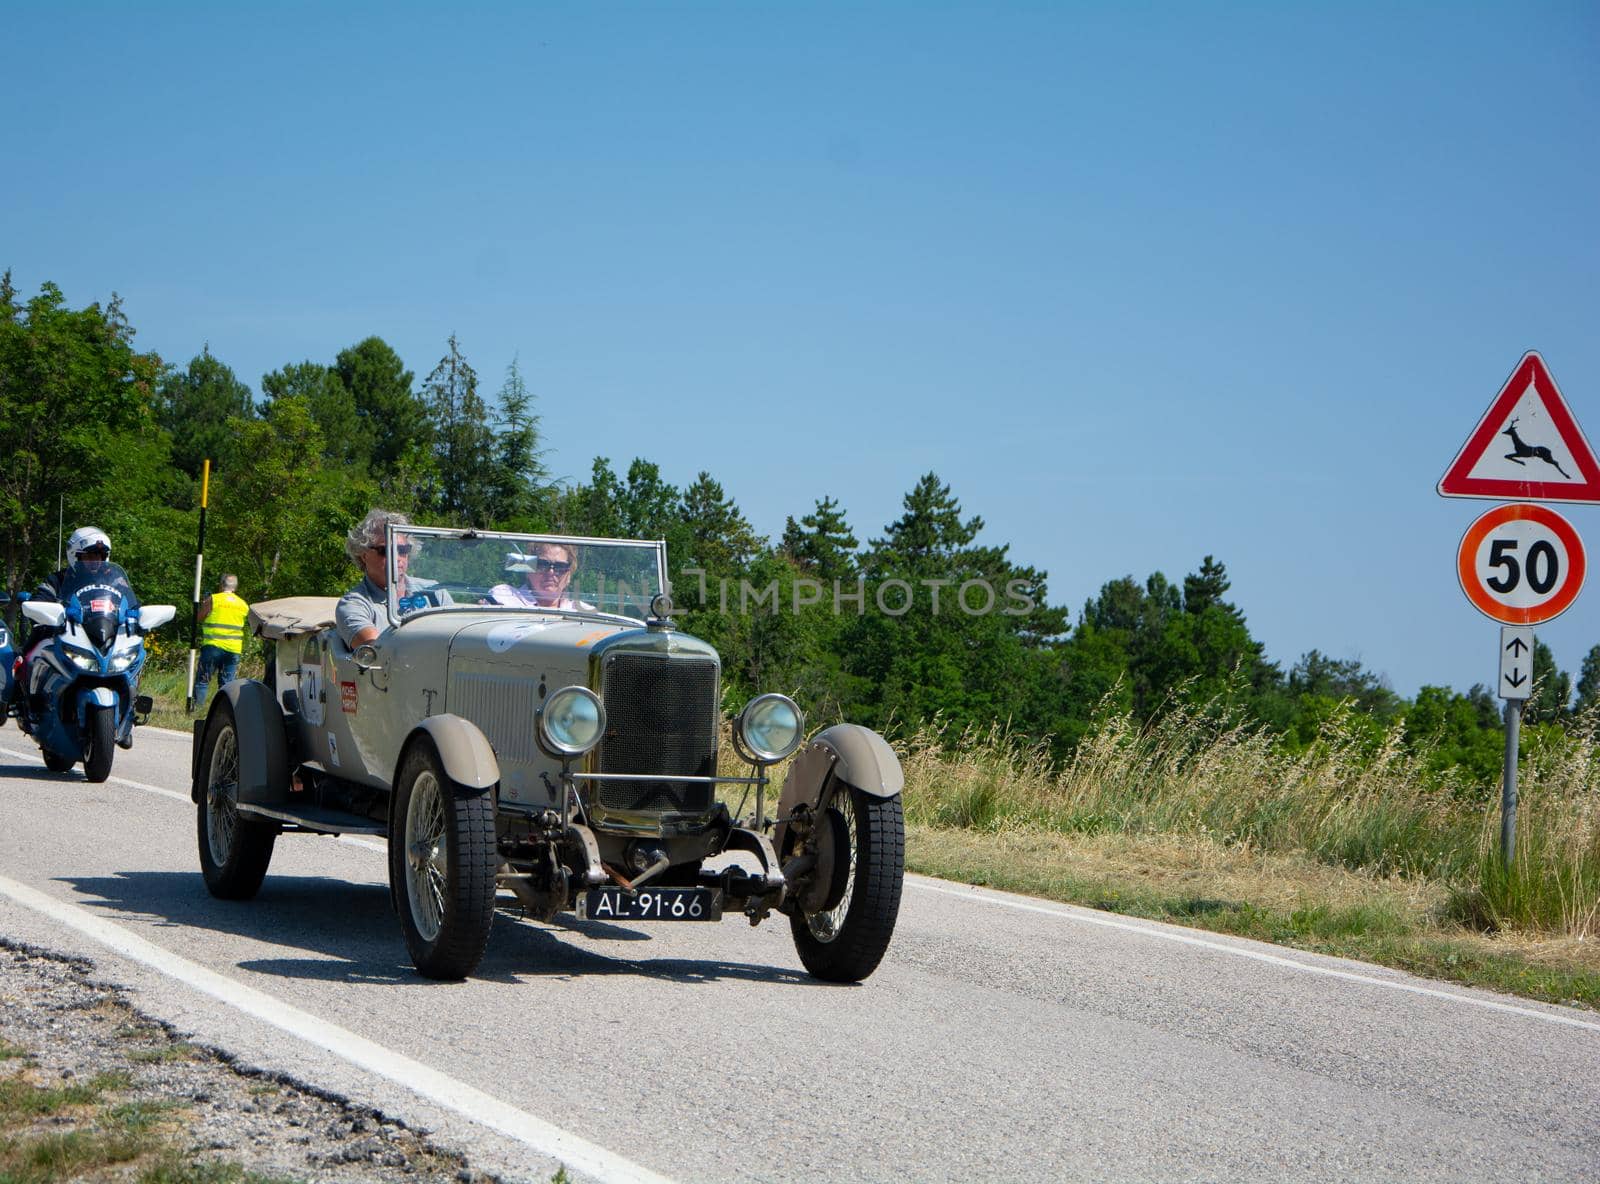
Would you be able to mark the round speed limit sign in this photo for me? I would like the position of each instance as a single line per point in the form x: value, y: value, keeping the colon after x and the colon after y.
x: 1521, y: 564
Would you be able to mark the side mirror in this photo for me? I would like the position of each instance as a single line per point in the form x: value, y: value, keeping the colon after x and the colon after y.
x: 153, y: 616
x: 366, y: 656
x: 45, y: 612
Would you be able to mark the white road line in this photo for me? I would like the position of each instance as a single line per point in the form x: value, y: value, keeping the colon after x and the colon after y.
x: 1085, y: 917
x: 166, y: 793
x: 439, y: 1088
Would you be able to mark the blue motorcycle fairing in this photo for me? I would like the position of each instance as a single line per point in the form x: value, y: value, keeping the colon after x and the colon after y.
x: 74, y: 673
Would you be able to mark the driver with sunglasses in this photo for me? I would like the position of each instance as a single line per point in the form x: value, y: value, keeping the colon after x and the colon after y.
x: 548, y: 571
x: 363, y: 612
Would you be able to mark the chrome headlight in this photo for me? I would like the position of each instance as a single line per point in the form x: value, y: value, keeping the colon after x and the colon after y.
x: 770, y: 728
x: 571, y: 722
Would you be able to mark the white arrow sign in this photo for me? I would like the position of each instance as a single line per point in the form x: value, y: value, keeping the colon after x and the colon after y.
x: 1516, y: 661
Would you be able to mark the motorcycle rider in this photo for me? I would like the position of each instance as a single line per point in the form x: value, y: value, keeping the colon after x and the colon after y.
x: 88, y: 559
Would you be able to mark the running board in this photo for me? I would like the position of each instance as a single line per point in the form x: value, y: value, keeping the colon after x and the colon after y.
x: 318, y: 819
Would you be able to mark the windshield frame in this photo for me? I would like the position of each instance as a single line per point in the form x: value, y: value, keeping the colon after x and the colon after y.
x: 522, y: 538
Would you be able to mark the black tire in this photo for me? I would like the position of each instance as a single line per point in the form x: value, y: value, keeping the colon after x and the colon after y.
x: 844, y: 944
x: 57, y: 764
x: 442, y: 863
x: 102, y: 746
x: 234, y: 850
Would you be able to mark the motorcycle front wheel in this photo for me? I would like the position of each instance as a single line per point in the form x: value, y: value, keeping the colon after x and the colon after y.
x: 102, y: 737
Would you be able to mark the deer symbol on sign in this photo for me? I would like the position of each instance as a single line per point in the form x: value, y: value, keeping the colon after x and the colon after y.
x: 1521, y: 449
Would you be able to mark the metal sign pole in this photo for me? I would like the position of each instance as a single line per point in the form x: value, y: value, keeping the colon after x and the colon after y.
x: 1508, y: 792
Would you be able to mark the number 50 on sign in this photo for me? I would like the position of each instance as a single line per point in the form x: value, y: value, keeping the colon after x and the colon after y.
x: 1521, y: 564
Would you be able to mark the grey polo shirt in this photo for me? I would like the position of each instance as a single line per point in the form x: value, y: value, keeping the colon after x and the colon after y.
x: 363, y: 606
x: 367, y: 604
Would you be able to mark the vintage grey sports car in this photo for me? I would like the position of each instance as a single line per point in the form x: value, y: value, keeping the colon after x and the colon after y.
x: 563, y: 749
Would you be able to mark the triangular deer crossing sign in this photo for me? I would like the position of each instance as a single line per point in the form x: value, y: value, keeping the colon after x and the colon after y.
x: 1527, y: 446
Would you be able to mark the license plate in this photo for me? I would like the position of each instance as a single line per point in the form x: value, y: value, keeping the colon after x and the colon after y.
x: 650, y: 904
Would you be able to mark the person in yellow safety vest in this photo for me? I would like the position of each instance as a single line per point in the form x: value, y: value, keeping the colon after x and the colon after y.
x: 221, y: 618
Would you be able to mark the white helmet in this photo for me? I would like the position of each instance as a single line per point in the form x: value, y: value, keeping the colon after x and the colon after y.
x: 85, y: 537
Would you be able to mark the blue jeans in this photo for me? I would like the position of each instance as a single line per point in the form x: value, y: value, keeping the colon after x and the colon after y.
x: 213, y: 660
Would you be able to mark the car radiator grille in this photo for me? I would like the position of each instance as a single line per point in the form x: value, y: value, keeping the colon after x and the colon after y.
x: 661, y: 717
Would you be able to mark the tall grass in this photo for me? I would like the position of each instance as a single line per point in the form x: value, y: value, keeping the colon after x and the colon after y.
x: 1349, y: 799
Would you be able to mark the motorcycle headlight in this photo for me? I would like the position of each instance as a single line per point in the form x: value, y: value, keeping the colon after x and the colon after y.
x: 770, y: 728
x: 571, y: 722
x: 120, y: 662
x: 83, y: 661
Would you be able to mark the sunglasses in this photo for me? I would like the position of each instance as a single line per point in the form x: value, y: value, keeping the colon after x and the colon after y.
x: 383, y: 549
x: 555, y: 565
x: 95, y: 552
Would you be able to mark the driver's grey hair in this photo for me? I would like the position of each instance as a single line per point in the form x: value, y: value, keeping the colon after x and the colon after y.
x: 370, y: 532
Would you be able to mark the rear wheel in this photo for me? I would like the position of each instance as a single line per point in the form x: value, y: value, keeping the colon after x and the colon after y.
x: 102, y: 736
x: 234, y: 849
x: 442, y: 863
x: 844, y: 941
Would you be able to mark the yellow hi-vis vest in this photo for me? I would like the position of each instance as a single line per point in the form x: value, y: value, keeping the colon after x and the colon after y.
x: 224, y: 624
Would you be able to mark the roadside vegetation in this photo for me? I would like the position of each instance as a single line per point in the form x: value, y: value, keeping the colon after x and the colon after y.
x: 78, y: 1130
x: 1353, y: 846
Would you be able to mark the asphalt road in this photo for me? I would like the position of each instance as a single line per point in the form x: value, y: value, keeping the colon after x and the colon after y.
x: 1002, y: 1039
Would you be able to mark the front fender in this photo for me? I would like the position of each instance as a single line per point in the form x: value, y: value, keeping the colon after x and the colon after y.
x: 94, y: 697
x: 857, y: 756
x: 263, y: 746
x: 467, y: 756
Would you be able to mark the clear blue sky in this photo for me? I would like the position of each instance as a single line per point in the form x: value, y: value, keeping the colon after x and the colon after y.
x: 1142, y: 282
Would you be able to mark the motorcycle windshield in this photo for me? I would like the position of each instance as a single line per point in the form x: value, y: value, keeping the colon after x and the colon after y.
x: 99, y: 591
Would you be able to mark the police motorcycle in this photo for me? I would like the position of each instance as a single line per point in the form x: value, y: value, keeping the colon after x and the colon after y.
x: 81, y: 687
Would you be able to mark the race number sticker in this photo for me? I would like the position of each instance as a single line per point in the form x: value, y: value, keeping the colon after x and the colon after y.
x: 311, y: 694
x: 347, y: 697
x: 503, y: 637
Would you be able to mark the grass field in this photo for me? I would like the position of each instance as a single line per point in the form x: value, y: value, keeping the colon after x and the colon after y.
x: 1344, y: 849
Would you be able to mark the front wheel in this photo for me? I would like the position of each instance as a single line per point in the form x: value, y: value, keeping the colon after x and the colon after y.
x: 844, y: 941
x: 234, y: 849
x: 102, y: 737
x: 442, y: 862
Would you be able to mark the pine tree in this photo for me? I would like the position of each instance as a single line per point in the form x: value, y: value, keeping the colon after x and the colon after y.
x: 463, y: 443
x: 821, y: 544
x: 1552, y: 688
x: 1589, y: 681
x: 520, y: 484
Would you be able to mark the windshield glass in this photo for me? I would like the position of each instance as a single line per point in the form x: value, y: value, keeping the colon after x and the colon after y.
x: 100, y: 583
x: 484, y: 569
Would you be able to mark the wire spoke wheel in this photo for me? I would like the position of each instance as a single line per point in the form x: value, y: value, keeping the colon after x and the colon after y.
x: 442, y: 863
x: 221, y: 794
x: 845, y: 941
x: 427, y: 859
x: 234, y: 850
x: 826, y: 926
